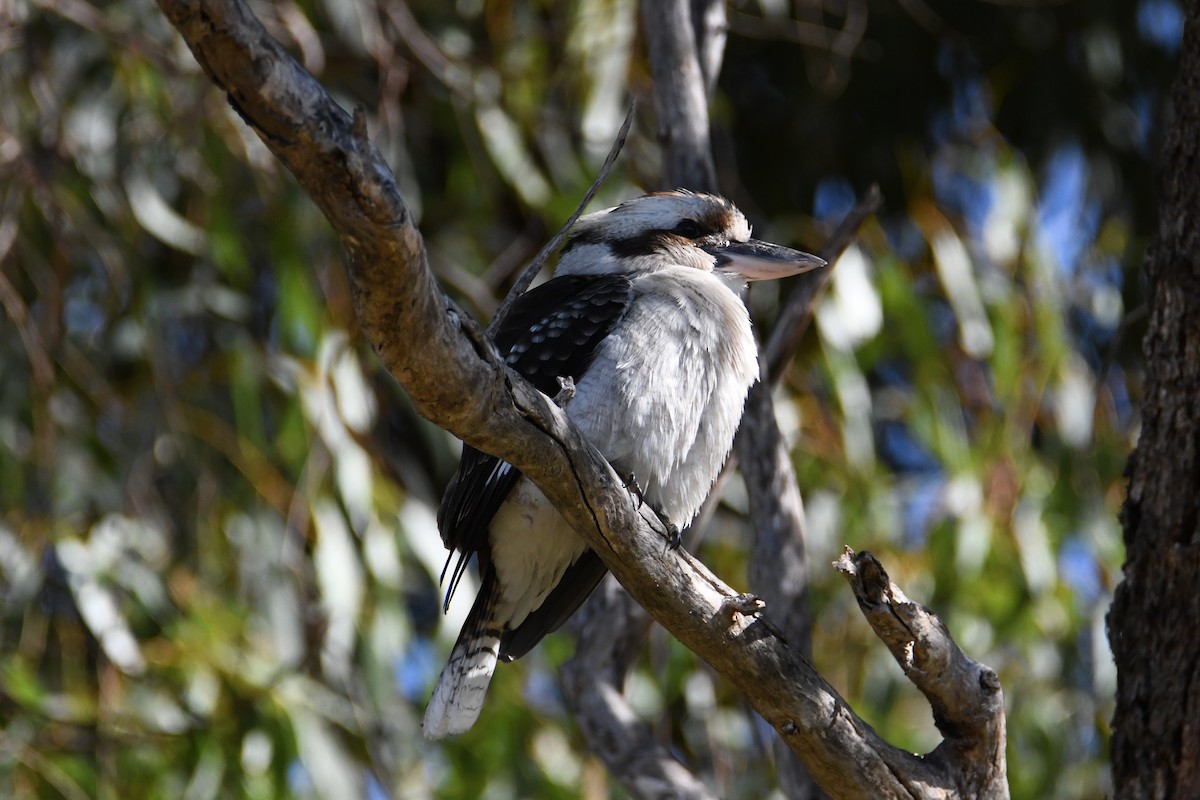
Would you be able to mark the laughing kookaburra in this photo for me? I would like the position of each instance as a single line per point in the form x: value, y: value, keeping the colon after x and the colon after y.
x: 645, y: 316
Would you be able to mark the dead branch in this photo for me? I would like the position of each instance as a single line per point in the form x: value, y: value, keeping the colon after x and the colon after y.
x: 967, y: 701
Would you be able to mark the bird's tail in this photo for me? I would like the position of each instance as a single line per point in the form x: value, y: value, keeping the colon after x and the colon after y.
x: 458, y: 696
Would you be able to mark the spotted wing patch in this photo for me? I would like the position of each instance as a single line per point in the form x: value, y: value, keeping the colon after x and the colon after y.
x: 555, y: 329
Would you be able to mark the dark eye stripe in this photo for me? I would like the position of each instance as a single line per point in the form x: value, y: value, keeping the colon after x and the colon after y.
x: 689, y: 229
x: 648, y: 241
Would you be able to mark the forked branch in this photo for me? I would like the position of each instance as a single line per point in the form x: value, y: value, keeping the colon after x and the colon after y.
x: 454, y: 377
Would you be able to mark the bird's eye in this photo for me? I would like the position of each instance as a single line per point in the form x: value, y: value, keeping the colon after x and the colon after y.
x: 689, y: 229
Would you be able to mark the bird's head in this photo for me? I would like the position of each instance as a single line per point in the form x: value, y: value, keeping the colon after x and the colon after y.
x: 677, y: 229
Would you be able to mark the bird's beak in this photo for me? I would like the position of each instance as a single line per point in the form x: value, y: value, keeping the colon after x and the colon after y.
x: 759, y: 261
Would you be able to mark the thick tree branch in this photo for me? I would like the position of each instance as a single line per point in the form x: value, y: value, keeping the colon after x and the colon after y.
x: 778, y: 567
x: 779, y: 559
x: 455, y: 379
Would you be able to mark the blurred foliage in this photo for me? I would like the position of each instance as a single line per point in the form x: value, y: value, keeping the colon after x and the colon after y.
x: 218, y: 560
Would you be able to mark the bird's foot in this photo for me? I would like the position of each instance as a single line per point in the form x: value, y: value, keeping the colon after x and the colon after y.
x: 671, y: 531
x: 673, y: 534
x: 635, y: 489
x: 566, y: 390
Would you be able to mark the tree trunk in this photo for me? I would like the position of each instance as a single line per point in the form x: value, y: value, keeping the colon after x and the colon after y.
x: 1154, y: 624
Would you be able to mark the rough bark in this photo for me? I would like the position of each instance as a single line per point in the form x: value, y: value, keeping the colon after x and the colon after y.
x: 1154, y: 617
x: 778, y: 559
x: 456, y: 379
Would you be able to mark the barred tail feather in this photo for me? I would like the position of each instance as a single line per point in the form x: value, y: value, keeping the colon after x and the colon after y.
x: 458, y: 696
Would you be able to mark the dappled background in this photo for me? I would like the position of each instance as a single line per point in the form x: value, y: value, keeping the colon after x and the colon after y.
x: 218, y: 556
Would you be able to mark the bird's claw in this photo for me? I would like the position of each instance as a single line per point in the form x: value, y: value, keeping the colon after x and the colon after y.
x: 566, y: 390
x: 674, y: 535
x: 671, y: 531
x: 635, y: 489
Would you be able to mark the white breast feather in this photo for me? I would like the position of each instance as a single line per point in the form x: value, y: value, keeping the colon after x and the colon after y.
x: 670, y: 427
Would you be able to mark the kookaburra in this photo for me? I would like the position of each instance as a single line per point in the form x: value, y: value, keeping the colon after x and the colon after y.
x: 645, y: 316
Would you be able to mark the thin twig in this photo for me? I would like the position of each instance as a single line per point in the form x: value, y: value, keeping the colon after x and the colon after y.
x: 793, y: 320
x: 551, y: 246
x: 806, y: 34
x: 456, y: 77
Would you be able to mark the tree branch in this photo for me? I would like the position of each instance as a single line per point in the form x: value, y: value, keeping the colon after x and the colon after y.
x: 456, y: 379
x: 778, y: 566
x: 535, y: 266
x: 967, y: 701
x: 793, y: 319
x: 680, y: 95
x: 611, y: 629
x: 712, y: 28
x: 779, y: 560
